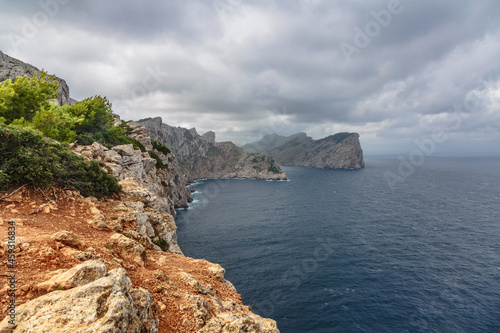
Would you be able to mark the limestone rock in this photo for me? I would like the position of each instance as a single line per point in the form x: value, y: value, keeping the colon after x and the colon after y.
x: 145, y: 308
x: 135, y: 191
x: 105, y: 305
x: 218, y: 271
x: 125, y: 150
x: 200, y: 308
x: 127, y: 248
x: 98, y: 218
x: 197, y: 286
x: 80, y: 275
x: 209, y: 137
x: 140, y: 134
x: 123, y: 162
x: 229, y: 322
x: 111, y: 156
x: 68, y: 238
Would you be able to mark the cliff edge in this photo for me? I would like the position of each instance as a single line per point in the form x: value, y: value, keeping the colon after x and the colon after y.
x: 200, y: 156
x: 84, y: 265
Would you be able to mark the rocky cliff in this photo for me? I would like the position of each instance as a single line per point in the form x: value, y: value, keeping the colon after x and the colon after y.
x: 84, y: 265
x: 339, y: 151
x: 10, y: 68
x: 113, y: 264
x: 199, y: 156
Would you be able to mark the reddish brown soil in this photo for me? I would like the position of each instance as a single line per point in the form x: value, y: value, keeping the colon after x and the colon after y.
x: 71, y: 213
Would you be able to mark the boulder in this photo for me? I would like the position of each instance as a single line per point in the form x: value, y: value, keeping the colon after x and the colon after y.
x: 124, y: 150
x: 229, y: 322
x: 106, y: 305
x: 111, y: 156
x: 80, y: 275
x: 68, y: 238
x: 127, y: 248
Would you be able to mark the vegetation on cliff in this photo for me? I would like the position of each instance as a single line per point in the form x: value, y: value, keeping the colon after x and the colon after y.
x: 27, y: 157
x: 30, y: 102
x: 28, y: 118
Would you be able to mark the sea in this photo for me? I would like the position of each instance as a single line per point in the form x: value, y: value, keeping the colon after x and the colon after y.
x: 395, y: 247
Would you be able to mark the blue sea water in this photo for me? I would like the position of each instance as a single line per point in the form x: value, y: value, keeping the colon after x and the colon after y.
x: 342, y: 251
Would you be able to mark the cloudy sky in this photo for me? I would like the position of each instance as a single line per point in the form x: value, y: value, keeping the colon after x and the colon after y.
x: 398, y: 72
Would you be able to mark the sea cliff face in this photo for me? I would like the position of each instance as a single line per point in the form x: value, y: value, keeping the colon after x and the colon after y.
x: 199, y: 156
x: 339, y: 151
x: 113, y: 264
x: 10, y: 68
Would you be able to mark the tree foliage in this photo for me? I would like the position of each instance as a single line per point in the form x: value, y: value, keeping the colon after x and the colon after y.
x: 25, y: 96
x: 96, y: 112
x: 57, y: 123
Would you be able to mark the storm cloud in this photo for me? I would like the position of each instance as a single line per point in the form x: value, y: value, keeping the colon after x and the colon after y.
x: 394, y: 71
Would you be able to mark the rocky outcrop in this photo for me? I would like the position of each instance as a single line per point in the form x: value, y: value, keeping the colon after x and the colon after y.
x: 81, y: 280
x: 213, y: 314
x: 101, y: 302
x: 126, y: 247
x: 147, y: 196
x: 180, y: 194
x: 209, y: 137
x: 201, y: 157
x: 339, y: 151
x: 10, y: 68
x: 79, y: 275
x: 126, y: 162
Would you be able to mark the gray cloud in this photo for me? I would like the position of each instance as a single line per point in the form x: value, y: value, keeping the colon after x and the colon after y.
x: 244, y: 68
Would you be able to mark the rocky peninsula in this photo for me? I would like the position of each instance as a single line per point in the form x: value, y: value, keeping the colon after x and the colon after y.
x: 339, y: 151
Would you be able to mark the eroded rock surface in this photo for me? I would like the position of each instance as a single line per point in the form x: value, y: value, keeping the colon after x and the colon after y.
x: 107, y: 304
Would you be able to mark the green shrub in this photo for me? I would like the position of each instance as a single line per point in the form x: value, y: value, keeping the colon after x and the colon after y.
x: 26, y: 156
x: 97, y: 124
x: 57, y: 123
x: 96, y: 112
x: 162, y: 243
x: 160, y: 147
x: 159, y: 162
